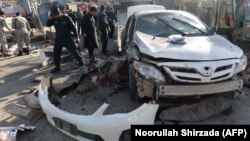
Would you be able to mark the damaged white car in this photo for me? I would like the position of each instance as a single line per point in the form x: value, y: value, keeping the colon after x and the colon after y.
x: 174, y: 54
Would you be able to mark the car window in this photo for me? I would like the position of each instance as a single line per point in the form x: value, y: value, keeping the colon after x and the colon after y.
x: 151, y: 25
x: 165, y: 24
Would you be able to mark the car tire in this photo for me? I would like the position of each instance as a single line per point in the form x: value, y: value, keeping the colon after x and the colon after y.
x: 132, y: 85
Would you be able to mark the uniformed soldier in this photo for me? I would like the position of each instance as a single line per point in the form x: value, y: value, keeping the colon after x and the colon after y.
x: 22, y: 31
x: 64, y: 27
x: 3, y: 41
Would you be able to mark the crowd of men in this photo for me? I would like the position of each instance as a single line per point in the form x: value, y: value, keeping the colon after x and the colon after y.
x: 20, y: 29
x: 88, y: 23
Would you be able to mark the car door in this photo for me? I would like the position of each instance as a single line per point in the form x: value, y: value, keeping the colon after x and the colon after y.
x: 129, y: 39
x: 127, y: 34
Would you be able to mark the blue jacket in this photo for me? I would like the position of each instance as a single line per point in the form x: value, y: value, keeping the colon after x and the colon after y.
x: 102, y: 22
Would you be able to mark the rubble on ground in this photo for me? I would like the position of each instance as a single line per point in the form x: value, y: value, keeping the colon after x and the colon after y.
x: 10, y: 133
x: 1, y: 81
x: 32, y: 100
x: 24, y: 111
x: 199, y: 111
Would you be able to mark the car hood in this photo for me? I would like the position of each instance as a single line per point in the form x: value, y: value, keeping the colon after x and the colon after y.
x: 201, y: 48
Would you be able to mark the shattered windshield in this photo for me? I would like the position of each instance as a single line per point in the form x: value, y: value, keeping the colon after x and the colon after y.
x: 165, y: 24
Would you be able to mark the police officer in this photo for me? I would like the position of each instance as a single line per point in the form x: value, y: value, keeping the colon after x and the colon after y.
x: 22, y: 31
x: 64, y: 27
x: 3, y: 41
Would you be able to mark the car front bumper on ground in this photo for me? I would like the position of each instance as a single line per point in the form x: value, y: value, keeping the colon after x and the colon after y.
x: 96, y: 126
x: 196, y: 90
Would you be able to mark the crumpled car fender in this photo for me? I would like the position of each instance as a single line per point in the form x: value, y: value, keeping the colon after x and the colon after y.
x: 106, y: 127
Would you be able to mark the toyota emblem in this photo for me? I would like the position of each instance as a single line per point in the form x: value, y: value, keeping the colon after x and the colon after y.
x: 207, y: 71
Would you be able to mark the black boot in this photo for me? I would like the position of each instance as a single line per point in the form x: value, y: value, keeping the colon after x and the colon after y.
x: 20, y: 53
x: 56, y: 70
x: 27, y: 50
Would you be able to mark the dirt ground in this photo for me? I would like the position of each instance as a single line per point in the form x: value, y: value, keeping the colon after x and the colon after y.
x: 20, y: 72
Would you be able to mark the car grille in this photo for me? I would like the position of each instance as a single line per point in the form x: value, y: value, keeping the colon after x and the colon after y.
x: 196, y: 75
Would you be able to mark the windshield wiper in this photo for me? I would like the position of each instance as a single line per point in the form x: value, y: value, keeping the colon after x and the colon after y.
x: 202, y: 32
x: 182, y: 33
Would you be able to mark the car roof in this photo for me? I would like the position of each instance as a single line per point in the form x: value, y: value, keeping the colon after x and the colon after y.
x: 138, y: 14
x: 139, y: 8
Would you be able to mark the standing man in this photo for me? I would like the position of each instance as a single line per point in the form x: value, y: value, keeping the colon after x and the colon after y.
x: 72, y: 15
x: 64, y: 26
x: 79, y: 16
x: 111, y: 18
x: 22, y: 32
x: 89, y: 32
x: 3, y: 41
x: 104, y: 28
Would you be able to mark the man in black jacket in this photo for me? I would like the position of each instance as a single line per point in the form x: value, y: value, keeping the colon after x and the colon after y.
x: 89, y: 32
x: 72, y: 15
x: 64, y: 27
x: 104, y: 28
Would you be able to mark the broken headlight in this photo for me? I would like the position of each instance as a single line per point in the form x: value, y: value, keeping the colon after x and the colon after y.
x: 148, y: 71
x: 241, y: 65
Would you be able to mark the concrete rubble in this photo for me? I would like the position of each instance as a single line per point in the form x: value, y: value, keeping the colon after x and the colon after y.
x: 10, y: 133
x: 26, y: 91
x: 1, y: 81
x: 93, y: 79
x: 38, y: 79
x: 45, y: 61
x: 24, y: 111
x: 32, y: 100
x: 199, y: 111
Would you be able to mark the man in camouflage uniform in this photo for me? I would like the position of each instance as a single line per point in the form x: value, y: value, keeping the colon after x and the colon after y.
x: 22, y: 30
x: 3, y: 41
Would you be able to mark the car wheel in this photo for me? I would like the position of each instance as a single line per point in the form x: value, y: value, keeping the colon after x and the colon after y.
x: 132, y: 85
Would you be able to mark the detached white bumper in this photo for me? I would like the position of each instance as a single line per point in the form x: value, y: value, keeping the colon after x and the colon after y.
x: 96, y: 126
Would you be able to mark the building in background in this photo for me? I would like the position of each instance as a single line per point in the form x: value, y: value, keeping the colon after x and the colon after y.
x: 10, y: 7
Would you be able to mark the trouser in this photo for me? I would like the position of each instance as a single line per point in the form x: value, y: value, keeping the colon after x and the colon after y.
x: 91, y: 52
x: 112, y: 30
x: 3, y: 44
x: 22, y: 38
x: 71, y: 47
x: 104, y: 39
x: 79, y: 28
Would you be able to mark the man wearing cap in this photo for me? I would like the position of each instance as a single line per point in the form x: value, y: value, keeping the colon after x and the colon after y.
x: 22, y: 31
x: 3, y: 41
x: 64, y: 27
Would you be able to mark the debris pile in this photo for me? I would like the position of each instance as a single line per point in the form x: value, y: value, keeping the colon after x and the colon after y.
x: 10, y: 133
